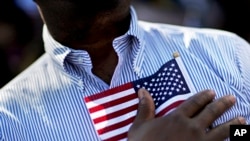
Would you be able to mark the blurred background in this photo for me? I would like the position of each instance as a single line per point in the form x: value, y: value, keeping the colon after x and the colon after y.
x: 21, y: 26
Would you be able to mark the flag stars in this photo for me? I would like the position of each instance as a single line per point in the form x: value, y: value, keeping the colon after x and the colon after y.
x: 156, y: 104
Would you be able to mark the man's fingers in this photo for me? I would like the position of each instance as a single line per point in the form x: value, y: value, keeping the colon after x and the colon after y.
x: 221, y: 132
x: 213, y: 110
x: 146, y: 107
x: 146, y: 111
x: 197, y: 102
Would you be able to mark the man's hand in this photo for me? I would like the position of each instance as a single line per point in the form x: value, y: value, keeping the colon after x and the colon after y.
x: 189, y: 122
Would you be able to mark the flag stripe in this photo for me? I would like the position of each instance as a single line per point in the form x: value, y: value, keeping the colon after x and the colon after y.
x: 103, y: 100
x: 116, y: 134
x: 115, y: 114
x: 113, y: 109
x: 116, y: 120
x: 109, y: 104
x: 115, y: 126
x: 173, y: 100
x: 118, y: 137
x: 169, y: 108
x: 108, y: 93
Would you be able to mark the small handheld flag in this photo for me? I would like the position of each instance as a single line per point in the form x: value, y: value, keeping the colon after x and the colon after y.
x: 114, y: 110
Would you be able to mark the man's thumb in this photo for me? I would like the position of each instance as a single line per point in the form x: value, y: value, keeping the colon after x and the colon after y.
x: 146, y: 107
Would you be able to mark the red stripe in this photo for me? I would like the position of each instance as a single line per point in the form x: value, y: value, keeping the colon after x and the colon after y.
x: 118, y: 137
x: 116, y: 126
x: 115, y: 114
x: 108, y: 92
x: 168, y: 108
x: 109, y: 104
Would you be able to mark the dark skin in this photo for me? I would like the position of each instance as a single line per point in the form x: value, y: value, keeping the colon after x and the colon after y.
x: 91, y: 32
x: 187, y: 123
x: 92, y: 27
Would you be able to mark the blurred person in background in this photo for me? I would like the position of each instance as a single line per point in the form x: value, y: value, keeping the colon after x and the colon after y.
x: 16, y: 32
x: 235, y: 17
x: 199, y: 13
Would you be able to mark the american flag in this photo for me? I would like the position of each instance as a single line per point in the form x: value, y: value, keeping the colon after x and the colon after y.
x: 114, y: 110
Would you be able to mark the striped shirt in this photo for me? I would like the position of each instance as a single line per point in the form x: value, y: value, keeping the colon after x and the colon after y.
x: 45, y: 102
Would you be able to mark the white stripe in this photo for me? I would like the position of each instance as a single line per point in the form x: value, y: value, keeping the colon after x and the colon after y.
x: 115, y: 132
x: 172, y: 100
x: 115, y: 120
x: 114, y: 108
x: 113, y: 97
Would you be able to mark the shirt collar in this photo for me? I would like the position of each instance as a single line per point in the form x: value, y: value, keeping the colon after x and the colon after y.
x: 59, y: 52
x: 136, y: 35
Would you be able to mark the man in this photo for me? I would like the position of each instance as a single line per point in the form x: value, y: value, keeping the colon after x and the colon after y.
x: 98, y: 45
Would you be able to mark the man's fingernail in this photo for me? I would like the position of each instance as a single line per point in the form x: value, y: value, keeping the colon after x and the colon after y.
x: 141, y: 94
x: 232, y: 98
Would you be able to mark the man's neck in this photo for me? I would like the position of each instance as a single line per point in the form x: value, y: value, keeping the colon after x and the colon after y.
x: 96, y: 36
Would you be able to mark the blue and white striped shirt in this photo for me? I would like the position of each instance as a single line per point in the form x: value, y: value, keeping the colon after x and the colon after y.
x: 45, y: 102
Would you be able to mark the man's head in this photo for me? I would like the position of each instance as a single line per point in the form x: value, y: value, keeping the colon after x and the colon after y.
x: 70, y: 16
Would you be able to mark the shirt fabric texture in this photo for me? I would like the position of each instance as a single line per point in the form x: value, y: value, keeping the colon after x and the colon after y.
x: 45, y: 102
